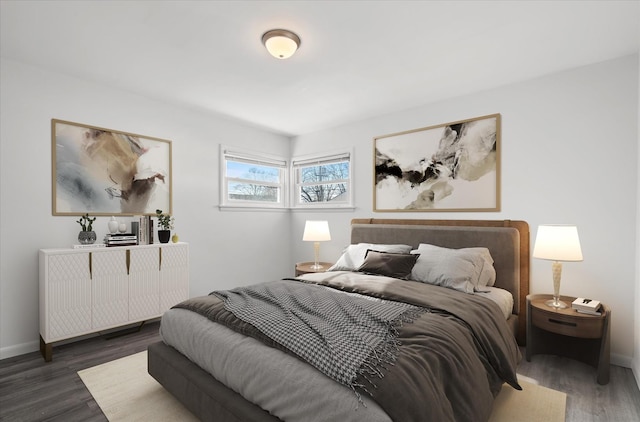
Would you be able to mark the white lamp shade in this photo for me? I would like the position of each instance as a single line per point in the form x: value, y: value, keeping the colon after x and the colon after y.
x: 316, y: 231
x: 557, y: 243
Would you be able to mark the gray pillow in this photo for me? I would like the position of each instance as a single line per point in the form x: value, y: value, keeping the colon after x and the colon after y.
x: 488, y: 271
x: 396, y: 265
x: 457, y: 269
x: 353, y: 255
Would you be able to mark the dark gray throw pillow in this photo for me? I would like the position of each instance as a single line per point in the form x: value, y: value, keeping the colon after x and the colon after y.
x: 397, y: 265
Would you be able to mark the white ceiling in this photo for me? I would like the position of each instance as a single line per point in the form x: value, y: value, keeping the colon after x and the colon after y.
x: 358, y: 59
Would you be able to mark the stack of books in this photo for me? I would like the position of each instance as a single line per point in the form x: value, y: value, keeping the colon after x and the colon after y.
x: 587, y: 306
x: 144, y: 228
x: 121, y: 239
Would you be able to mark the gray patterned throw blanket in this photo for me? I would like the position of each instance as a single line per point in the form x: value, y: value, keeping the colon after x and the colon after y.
x: 341, y: 334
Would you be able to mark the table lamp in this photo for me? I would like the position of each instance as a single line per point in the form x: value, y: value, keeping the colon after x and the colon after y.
x: 557, y: 243
x: 316, y: 231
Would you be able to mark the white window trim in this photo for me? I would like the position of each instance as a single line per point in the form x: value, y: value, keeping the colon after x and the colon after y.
x: 317, y: 158
x: 257, y: 158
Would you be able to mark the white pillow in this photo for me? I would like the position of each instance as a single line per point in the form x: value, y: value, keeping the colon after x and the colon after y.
x: 353, y: 255
x: 457, y: 269
x: 487, y: 276
x: 488, y: 272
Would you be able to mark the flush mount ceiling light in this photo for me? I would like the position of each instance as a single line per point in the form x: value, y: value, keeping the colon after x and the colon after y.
x: 281, y: 43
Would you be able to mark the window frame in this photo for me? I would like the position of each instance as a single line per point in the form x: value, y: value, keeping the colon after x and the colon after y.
x: 318, y: 159
x: 260, y: 159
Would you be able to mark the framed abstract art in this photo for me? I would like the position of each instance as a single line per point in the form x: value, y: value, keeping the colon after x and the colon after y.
x: 107, y: 172
x: 449, y: 167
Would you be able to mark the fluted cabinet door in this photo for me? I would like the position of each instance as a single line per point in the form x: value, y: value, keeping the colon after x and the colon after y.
x: 68, y: 296
x: 110, y: 288
x: 174, y: 275
x: 144, y: 279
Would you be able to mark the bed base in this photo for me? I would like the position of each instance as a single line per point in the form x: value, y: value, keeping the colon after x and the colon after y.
x: 204, y: 396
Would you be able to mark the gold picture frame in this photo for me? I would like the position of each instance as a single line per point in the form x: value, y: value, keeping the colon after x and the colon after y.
x: 107, y: 172
x: 448, y: 167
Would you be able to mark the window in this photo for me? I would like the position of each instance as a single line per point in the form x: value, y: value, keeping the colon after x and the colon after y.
x: 250, y: 180
x: 322, y: 180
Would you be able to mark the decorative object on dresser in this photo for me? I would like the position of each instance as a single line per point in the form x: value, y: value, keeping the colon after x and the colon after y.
x: 84, y: 291
x: 107, y: 171
x: 557, y: 243
x: 87, y: 235
x: 567, y: 332
x: 113, y: 225
x: 166, y: 222
x: 316, y: 232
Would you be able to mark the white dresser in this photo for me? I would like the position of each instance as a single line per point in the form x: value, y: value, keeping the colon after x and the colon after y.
x: 84, y: 291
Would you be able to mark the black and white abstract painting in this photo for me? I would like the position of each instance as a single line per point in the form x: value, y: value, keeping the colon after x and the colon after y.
x: 449, y: 167
x: 106, y: 172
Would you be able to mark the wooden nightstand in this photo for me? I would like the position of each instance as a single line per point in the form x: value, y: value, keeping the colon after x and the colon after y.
x: 305, y: 267
x: 566, y: 332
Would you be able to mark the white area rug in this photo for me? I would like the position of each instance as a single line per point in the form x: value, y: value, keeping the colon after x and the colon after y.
x: 126, y: 392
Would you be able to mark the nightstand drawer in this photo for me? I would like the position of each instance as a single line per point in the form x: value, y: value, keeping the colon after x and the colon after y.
x: 586, y: 326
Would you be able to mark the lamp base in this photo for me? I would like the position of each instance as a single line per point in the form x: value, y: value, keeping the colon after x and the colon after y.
x: 316, y: 267
x: 552, y: 303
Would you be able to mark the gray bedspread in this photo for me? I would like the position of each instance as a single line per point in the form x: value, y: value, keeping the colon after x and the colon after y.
x: 451, y: 363
x: 340, y: 334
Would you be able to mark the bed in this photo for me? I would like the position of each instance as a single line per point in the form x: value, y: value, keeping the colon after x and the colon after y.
x: 254, y: 372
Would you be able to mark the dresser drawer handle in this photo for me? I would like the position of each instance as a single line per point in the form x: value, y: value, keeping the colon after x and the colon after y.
x: 555, y: 321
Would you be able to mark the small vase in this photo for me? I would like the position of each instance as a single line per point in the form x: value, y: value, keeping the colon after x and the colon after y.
x: 113, y: 225
x: 86, y: 238
x: 164, y: 235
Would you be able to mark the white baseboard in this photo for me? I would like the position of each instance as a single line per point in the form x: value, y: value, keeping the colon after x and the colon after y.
x: 19, y: 349
x: 635, y: 368
x: 621, y: 360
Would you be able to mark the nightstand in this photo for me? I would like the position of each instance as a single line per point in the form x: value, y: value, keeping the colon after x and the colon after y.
x: 305, y: 267
x: 567, y: 332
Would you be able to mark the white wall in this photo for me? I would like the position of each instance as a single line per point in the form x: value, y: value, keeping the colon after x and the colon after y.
x: 226, y: 248
x: 569, y: 155
x: 636, y: 352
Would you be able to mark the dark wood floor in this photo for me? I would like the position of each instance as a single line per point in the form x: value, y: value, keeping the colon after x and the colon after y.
x: 32, y: 390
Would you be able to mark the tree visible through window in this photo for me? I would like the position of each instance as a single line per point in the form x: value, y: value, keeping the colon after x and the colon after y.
x: 323, y: 179
x: 324, y: 183
x: 255, y: 184
x: 249, y: 179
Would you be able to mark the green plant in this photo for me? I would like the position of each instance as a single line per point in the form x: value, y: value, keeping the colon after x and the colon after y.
x: 86, y: 223
x: 164, y: 220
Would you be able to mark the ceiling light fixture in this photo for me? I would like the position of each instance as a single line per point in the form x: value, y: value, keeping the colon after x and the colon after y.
x: 281, y: 43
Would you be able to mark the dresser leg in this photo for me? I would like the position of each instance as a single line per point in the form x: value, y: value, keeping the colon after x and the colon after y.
x: 46, y: 350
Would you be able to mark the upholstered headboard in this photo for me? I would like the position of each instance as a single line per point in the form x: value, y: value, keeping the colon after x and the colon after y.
x: 507, y: 240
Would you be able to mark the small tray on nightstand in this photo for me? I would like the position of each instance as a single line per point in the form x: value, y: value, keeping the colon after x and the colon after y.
x: 306, y: 267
